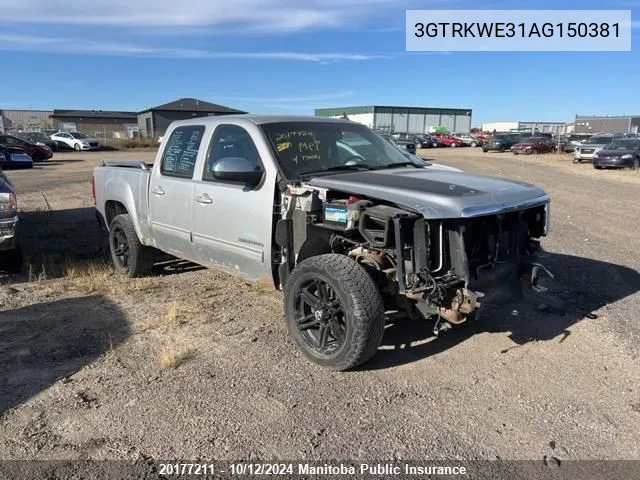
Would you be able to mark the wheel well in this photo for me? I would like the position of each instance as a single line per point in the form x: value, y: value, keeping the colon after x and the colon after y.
x: 113, y: 208
x: 313, y: 247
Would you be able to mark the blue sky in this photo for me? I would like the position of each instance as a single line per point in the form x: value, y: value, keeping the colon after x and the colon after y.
x: 290, y: 56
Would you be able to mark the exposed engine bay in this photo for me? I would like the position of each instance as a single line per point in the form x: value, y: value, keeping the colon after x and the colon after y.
x: 441, y: 268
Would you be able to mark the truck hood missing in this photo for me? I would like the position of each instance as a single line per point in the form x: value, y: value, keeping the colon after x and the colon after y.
x: 437, y: 194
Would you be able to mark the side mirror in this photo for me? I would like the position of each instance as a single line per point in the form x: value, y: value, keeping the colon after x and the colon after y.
x: 237, y: 170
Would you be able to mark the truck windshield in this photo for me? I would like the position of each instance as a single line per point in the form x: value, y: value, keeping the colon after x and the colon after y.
x: 599, y: 140
x: 303, y: 148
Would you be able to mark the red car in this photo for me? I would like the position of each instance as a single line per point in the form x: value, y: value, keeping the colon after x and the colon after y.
x: 533, y: 145
x: 448, y: 140
x: 39, y: 153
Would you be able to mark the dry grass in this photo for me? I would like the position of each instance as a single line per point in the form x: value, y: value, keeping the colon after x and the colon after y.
x: 90, y: 277
x: 173, y: 318
x: 171, y: 358
x: 143, y: 285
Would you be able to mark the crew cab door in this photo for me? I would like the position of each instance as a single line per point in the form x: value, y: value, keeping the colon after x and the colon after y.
x: 171, y: 191
x: 233, y: 220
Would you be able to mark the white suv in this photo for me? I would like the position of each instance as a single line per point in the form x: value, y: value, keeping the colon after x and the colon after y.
x: 76, y: 140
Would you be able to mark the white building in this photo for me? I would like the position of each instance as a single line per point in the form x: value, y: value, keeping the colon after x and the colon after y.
x: 403, y: 119
x: 519, y: 126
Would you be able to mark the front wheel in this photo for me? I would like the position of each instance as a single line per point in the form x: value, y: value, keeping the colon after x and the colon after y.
x: 129, y: 256
x: 474, y: 144
x: 636, y: 164
x: 76, y: 147
x: 334, y: 311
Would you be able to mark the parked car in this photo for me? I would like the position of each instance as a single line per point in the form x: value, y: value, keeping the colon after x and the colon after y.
x: 533, y: 146
x: 38, y: 138
x: 419, y: 140
x: 447, y: 140
x: 10, y: 251
x: 574, y: 140
x: 405, y: 144
x: 39, y: 153
x: 594, y: 144
x: 501, y: 142
x: 621, y: 153
x: 468, y: 139
x: 14, y: 157
x: 346, y: 237
x: 75, y: 140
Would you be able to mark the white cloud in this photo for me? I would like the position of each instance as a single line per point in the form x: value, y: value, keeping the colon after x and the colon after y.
x: 75, y: 46
x: 260, y: 15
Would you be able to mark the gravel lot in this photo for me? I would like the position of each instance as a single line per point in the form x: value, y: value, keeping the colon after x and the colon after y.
x: 193, y: 363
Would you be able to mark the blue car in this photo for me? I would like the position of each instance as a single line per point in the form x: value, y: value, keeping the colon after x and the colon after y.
x: 14, y: 157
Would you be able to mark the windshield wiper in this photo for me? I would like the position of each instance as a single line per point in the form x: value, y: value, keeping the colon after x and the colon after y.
x: 359, y: 166
x: 400, y: 164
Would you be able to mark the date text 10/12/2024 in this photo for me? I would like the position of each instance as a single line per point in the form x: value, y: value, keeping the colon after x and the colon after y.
x: 257, y: 469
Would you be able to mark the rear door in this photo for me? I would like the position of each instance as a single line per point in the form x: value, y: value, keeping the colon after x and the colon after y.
x: 171, y: 191
x: 233, y: 223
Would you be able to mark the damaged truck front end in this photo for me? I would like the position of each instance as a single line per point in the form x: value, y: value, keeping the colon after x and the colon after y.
x: 424, y: 267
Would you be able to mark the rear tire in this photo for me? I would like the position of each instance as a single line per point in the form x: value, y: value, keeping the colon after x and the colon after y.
x: 636, y: 164
x: 351, y: 311
x: 130, y: 257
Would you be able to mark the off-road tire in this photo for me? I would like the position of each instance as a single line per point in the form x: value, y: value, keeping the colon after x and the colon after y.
x: 140, y: 257
x: 361, y: 303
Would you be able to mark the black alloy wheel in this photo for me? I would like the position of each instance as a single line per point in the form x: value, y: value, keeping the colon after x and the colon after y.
x: 120, y: 247
x: 320, y: 317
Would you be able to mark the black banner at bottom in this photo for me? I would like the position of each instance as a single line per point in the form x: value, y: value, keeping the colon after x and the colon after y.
x: 551, y: 469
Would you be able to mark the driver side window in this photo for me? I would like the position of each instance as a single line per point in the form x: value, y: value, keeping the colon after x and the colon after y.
x: 230, y: 141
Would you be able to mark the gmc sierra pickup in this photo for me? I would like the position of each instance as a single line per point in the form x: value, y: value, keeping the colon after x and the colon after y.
x: 351, y: 228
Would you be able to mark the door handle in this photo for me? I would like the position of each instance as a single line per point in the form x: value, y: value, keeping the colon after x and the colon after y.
x: 158, y: 191
x: 204, y: 198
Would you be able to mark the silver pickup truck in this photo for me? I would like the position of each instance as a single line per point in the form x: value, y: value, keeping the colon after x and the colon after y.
x: 353, y: 230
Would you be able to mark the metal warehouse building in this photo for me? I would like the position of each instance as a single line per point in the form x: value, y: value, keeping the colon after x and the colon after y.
x: 404, y: 119
x: 27, y: 120
x: 518, y: 126
x: 609, y: 124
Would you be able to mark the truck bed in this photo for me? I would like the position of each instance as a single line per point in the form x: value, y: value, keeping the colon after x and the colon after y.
x: 125, y: 182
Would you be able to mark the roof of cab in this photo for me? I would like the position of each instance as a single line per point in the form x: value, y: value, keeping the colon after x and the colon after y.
x: 260, y: 119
